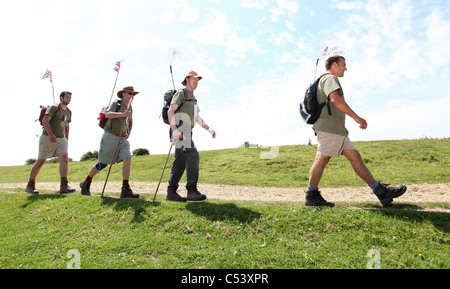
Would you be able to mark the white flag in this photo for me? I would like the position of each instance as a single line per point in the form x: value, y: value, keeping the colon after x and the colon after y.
x: 175, y: 54
x: 331, y: 48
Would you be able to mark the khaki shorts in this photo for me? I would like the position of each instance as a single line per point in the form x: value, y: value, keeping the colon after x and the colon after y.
x: 332, y: 145
x: 48, y: 149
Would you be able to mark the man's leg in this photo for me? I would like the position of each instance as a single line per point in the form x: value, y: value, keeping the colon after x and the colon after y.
x: 31, y: 186
x: 316, y: 172
x: 86, y: 184
x: 358, y: 165
x: 63, y: 172
x: 126, y: 190
x: 385, y: 193
x: 313, y: 196
x: 178, y: 167
x: 192, y: 170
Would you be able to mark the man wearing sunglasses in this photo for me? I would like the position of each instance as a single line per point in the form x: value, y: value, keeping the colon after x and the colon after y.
x: 119, y: 125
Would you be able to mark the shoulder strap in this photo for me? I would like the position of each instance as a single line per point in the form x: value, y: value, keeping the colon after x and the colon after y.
x: 184, y: 100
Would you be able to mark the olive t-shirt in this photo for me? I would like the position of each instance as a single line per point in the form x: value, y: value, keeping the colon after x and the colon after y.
x: 58, y: 120
x: 189, y: 107
x: 334, y: 123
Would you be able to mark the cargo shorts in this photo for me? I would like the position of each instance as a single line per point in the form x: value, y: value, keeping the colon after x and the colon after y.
x: 48, y: 149
x: 332, y: 145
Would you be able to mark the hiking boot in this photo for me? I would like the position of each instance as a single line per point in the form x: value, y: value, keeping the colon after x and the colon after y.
x: 172, y: 195
x: 31, y: 188
x: 386, y: 193
x: 314, y: 198
x: 85, y: 188
x: 128, y: 193
x: 65, y: 188
x: 194, y: 195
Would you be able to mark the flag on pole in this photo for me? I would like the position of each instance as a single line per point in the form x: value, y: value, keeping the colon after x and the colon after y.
x: 330, y: 48
x: 48, y: 74
x: 117, y: 67
x: 175, y: 54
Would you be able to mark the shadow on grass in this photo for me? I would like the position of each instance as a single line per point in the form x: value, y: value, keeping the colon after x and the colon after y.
x: 414, y: 213
x: 138, y: 205
x: 39, y: 197
x: 221, y: 212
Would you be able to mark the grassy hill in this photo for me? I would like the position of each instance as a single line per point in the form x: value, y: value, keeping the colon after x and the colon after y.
x: 402, y: 161
x: 44, y: 231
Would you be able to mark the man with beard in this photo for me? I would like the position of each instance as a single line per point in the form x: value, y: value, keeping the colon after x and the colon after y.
x: 54, y: 142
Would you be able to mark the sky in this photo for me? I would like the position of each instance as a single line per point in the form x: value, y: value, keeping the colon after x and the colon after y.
x: 256, y: 57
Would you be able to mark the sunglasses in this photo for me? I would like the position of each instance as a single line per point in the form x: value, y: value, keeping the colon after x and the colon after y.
x: 130, y: 93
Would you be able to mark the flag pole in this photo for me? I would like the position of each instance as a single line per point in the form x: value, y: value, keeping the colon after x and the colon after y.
x: 53, y: 90
x: 315, y: 73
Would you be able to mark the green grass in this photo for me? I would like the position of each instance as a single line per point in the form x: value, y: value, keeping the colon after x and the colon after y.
x: 402, y: 161
x: 39, y: 231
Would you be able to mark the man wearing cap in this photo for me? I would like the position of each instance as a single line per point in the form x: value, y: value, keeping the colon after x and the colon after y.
x: 118, y: 126
x: 54, y: 142
x: 183, y: 114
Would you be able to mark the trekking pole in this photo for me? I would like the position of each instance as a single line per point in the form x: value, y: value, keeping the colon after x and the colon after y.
x: 117, y: 147
x: 164, y: 168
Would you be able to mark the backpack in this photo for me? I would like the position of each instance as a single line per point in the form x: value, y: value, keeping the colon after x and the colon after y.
x: 310, y: 108
x: 44, y: 110
x: 167, y: 100
x: 102, y: 119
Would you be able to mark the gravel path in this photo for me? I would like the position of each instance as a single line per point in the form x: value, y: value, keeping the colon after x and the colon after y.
x: 415, y: 194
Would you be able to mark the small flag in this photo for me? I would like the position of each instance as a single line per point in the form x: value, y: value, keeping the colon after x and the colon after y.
x: 117, y: 67
x: 331, y: 48
x: 48, y: 74
x: 175, y: 54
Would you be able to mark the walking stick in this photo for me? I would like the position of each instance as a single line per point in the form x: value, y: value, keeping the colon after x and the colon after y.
x: 117, y: 147
x: 164, y: 168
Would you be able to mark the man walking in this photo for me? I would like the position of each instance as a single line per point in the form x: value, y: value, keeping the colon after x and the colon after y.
x: 183, y: 114
x: 117, y: 128
x: 332, y: 138
x: 54, y: 142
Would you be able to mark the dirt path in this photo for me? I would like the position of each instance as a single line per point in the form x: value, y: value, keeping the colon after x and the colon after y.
x: 415, y: 194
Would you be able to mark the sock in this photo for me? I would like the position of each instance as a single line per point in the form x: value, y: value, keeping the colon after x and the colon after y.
x: 374, y: 185
x: 311, y: 188
x: 89, y: 179
x: 124, y: 183
x: 63, y: 180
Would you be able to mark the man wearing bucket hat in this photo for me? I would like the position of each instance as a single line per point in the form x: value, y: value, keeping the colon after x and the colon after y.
x: 119, y: 125
x: 183, y: 114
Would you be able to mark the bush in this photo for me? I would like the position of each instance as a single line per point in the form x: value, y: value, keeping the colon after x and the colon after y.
x: 89, y: 156
x: 141, y: 152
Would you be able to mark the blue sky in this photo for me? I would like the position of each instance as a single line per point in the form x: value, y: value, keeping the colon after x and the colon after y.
x: 256, y: 57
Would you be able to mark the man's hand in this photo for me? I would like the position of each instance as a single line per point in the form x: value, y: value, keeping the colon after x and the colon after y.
x: 212, y: 132
x: 177, y: 134
x: 361, y: 121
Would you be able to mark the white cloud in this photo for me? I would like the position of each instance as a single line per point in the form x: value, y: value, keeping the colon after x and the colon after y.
x: 260, y: 4
x: 283, y: 7
x: 214, y: 31
x: 281, y: 38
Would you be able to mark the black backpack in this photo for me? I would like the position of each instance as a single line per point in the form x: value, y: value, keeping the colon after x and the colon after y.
x: 167, y: 100
x: 310, y: 108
